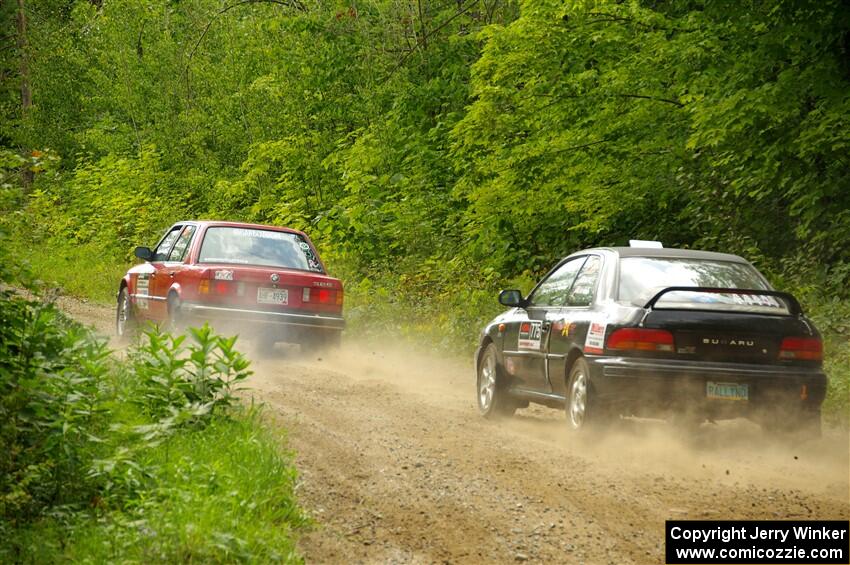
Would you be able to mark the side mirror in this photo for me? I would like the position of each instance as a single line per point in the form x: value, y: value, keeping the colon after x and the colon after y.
x: 143, y: 253
x: 512, y: 298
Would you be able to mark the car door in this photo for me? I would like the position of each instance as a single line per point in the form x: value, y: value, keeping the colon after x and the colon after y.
x: 572, y: 322
x: 174, y: 267
x: 525, y: 358
x: 159, y: 281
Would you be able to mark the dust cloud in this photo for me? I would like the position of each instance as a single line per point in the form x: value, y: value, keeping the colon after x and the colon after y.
x: 733, y: 452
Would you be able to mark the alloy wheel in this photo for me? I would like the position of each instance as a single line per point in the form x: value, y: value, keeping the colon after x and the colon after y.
x: 487, y: 382
x: 578, y: 399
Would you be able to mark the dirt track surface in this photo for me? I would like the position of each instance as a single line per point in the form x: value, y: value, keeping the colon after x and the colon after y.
x: 397, y: 467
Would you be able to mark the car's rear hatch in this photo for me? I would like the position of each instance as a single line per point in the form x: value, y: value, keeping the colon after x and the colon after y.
x: 270, y: 289
x: 732, y: 325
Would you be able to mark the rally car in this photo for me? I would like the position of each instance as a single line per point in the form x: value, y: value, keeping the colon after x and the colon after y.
x: 652, y: 332
x: 266, y: 281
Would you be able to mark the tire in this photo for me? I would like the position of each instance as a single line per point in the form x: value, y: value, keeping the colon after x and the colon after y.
x: 321, y: 340
x: 264, y: 344
x: 800, y: 425
x: 175, y: 323
x: 686, y: 423
x: 583, y: 411
x: 125, y: 321
x: 491, y: 388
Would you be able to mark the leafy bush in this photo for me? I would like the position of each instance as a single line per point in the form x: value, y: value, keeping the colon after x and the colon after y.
x: 201, y: 377
x: 52, y: 408
x: 219, y: 494
x: 153, y: 460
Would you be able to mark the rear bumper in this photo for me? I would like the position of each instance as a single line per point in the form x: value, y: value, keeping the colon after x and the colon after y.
x: 674, y: 384
x: 261, y: 317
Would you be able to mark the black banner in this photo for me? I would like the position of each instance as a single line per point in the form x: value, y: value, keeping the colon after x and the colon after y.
x: 816, y: 542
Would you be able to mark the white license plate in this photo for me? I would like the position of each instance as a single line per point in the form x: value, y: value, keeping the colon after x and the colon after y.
x: 727, y: 391
x: 279, y: 296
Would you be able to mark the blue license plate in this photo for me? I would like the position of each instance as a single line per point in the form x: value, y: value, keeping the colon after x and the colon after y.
x: 727, y: 391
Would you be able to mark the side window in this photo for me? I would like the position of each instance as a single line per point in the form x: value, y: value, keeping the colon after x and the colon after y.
x: 182, y: 245
x: 585, y: 285
x: 553, y: 291
x: 161, y: 251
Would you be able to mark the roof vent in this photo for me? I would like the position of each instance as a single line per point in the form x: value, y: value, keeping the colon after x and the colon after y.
x: 645, y: 243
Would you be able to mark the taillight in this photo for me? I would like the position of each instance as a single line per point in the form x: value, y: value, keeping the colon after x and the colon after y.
x: 801, y: 349
x: 207, y: 286
x: 640, y: 339
x: 321, y: 296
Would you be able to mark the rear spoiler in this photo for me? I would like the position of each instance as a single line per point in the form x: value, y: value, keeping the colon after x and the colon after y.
x: 794, y: 307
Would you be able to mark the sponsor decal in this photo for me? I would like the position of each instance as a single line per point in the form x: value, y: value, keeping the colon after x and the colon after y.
x: 595, y: 341
x: 264, y: 234
x: 142, y: 291
x: 756, y: 300
x: 568, y: 330
x: 224, y: 275
x: 529, y: 335
x: 142, y: 286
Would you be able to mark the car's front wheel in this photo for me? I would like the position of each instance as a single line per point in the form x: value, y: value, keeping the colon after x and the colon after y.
x: 125, y: 322
x: 493, y: 398
x: 583, y: 411
x: 175, y: 323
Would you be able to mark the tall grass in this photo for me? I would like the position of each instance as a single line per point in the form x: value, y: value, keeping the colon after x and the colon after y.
x: 82, y: 271
x: 222, y: 493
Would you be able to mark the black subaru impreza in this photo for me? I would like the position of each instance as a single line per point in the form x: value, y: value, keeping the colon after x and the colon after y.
x: 653, y: 332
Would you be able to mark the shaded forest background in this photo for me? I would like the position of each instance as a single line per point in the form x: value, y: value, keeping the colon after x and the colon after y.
x: 434, y: 150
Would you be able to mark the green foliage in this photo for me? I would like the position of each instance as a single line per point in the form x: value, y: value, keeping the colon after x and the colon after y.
x: 78, y: 270
x: 219, y: 494
x: 201, y: 378
x: 51, y: 407
x: 109, y: 204
x: 593, y: 123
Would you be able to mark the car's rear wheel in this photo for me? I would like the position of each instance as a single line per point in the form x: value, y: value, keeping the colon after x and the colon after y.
x: 583, y: 410
x: 321, y: 340
x: 125, y: 322
x: 264, y: 343
x: 493, y: 398
x: 799, y: 424
x: 685, y: 424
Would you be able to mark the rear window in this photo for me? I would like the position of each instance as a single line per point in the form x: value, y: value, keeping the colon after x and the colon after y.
x: 642, y: 277
x: 267, y: 248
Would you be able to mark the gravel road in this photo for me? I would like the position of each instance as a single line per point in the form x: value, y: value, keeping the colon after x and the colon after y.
x: 397, y: 467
